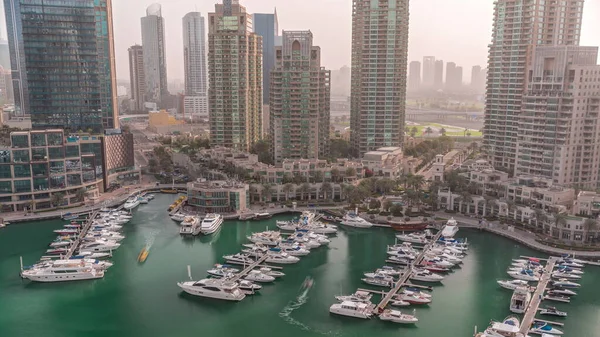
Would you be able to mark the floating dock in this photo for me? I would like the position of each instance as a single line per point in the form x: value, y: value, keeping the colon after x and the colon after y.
x: 405, y: 277
x: 84, y: 229
x: 534, y: 304
x: 249, y: 268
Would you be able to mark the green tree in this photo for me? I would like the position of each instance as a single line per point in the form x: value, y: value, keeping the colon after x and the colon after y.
x: 387, y: 204
x: 287, y: 188
x: 350, y: 172
x: 267, y: 192
x: 80, y: 194
x: 317, y: 176
x: 327, y: 190
x: 413, y: 131
x: 396, y: 210
x: 263, y: 150
x: 305, y: 189
x: 428, y: 131
x: 442, y: 131
x: 335, y: 175
x: 385, y: 185
x: 374, y: 204
x: 589, y: 225
x: 338, y: 148
x: 57, y: 199
x: 560, y: 220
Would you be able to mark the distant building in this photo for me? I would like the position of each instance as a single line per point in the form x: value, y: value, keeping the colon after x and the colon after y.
x: 300, y: 100
x: 340, y: 82
x: 137, y: 79
x: 63, y: 68
x: 478, y: 79
x: 414, y: 76
x: 6, y: 88
x: 438, y: 76
x: 194, y: 54
x: 155, y: 62
x: 235, y: 82
x: 195, y: 106
x: 454, y: 76
x: 378, y: 100
x: 4, y: 54
x: 220, y: 197
x: 157, y: 120
x: 267, y: 26
x: 428, y: 71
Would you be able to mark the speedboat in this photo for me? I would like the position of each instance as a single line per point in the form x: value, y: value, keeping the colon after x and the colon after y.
x: 552, y: 296
x: 131, y: 203
x: 321, y: 228
x: 426, y: 276
x: 438, y: 261
x: 179, y: 217
x: 390, y: 271
x: 399, y: 260
x: 412, y: 238
x: 553, y: 312
x: 295, y: 251
x: 70, y: 216
x: 544, y: 328
x: 352, y: 309
x: 565, y: 275
x: 412, y: 291
x: 65, y: 243
x: 57, y: 251
x: 100, y: 245
x: 401, y: 254
x: 431, y: 266
x: 564, y: 283
x: 66, y: 231
x: 571, y: 270
x: 562, y: 291
x: 300, y: 237
x: 275, y: 255
x: 382, y: 281
x: 353, y: 220
x: 222, y: 270
x: 512, y: 284
x: 264, y: 215
x: 396, y: 316
x: 413, y: 298
x: 271, y: 272
x: 520, y: 300
x: 269, y: 238
x: 359, y: 296
x: 190, y: 226
x: 258, y: 276
x: 376, y: 274
x: 213, y: 288
x: 450, y: 229
x: 248, y: 285
x: 399, y: 303
x: 524, y: 274
x: 211, y: 223
x: 91, y: 255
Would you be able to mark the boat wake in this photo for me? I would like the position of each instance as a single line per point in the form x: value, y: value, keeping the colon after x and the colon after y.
x: 300, y: 300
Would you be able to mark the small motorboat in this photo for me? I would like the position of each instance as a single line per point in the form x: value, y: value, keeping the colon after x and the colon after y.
x: 396, y: 316
x: 399, y: 303
x: 57, y: 251
x: 57, y: 244
x: 413, y: 298
x: 390, y: 271
x: 426, y: 276
x: 434, y: 267
x: 544, y: 328
x: 571, y: 270
x: 553, y: 312
x: 70, y: 216
x: 524, y: 274
x: 562, y: 291
x: 248, y: 286
x: 143, y: 255
x: 258, y: 276
x: 413, y: 291
x: 66, y: 231
x: 379, y: 281
x: 359, y: 296
x: 222, y: 270
x: 377, y: 274
x: 271, y: 272
x: 399, y: 260
x: 564, y: 283
x: 565, y: 275
x: 512, y: 284
x: 552, y: 296
x: 352, y: 309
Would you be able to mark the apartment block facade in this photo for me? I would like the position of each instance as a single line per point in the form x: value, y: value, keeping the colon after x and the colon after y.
x: 379, y: 67
x: 300, y: 100
x: 155, y: 62
x: 136, y: 76
x: 235, y: 77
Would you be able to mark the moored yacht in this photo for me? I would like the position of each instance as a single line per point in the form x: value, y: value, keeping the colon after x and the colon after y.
x: 131, y: 203
x: 213, y: 288
x: 352, y: 309
x: 269, y: 238
x: 512, y: 284
x: 359, y: 296
x: 63, y: 273
x: 99, y: 245
x: 353, y: 220
x: 450, y: 229
x: 179, y: 217
x: 190, y: 226
x: 510, y: 327
x: 211, y: 223
x: 520, y: 300
x: 396, y: 316
x: 259, y: 276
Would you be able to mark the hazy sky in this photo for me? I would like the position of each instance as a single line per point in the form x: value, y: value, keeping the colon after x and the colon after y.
x: 452, y: 30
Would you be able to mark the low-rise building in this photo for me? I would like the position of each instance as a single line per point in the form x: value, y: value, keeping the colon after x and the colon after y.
x: 162, y: 121
x: 587, y: 204
x: 218, y: 196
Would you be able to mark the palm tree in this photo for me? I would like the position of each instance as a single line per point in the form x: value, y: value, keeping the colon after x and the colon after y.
x: 57, y: 199
x: 416, y: 182
x: 486, y: 201
x: 442, y: 131
x: 413, y: 131
x: 305, y: 188
x: 335, y: 175
x: 540, y: 217
x: 80, y: 194
x: 428, y: 131
x: 385, y: 185
x: 318, y: 177
x: 387, y: 204
x: 511, y: 207
x: 253, y: 191
x: 267, y: 192
x: 287, y: 188
x: 326, y: 188
x: 350, y: 172
x: 589, y: 225
x: 560, y: 219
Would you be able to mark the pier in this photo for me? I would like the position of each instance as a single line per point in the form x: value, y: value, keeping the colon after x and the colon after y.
x: 249, y: 268
x: 406, y: 276
x: 532, y: 309
x: 84, y: 229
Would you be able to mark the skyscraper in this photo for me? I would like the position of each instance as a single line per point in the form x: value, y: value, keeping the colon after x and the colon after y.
x: 438, y: 76
x: 516, y: 32
x: 558, y: 133
x: 267, y: 26
x: 194, y: 62
x: 300, y: 98
x: 136, y: 76
x: 64, y: 77
x: 194, y: 54
x: 234, y: 77
x: 414, y: 76
x: 450, y: 75
x: 155, y: 63
x: 476, y: 77
x: 378, y: 99
x: 428, y: 71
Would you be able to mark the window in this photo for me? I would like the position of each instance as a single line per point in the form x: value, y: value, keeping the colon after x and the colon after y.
x: 22, y: 186
x: 22, y: 171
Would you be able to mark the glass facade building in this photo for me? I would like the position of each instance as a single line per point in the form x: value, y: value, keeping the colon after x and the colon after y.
x: 62, y: 58
x: 155, y: 61
x: 267, y: 26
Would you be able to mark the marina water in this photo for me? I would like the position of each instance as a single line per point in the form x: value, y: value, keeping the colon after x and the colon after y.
x: 143, y: 299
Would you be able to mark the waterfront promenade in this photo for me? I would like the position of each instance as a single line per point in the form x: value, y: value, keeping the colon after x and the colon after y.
x: 524, y: 237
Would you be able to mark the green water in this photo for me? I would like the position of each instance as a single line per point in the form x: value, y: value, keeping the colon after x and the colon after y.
x: 144, y: 300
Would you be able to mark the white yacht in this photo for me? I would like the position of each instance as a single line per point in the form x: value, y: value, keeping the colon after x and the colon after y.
x: 396, y: 316
x: 359, y: 296
x: 213, y: 288
x: 239, y: 259
x: 426, y: 276
x: 512, y: 284
x: 275, y: 255
x: 510, y: 327
x: 352, y: 309
x: 179, y: 217
x: 520, y: 300
x: 100, y: 245
x: 353, y: 220
x: 221, y: 270
x: 211, y: 223
x: 131, y: 203
x: 105, y: 235
x: 259, y: 276
x: 190, y: 226
x: 450, y: 229
x: 269, y: 238
x: 524, y: 274
x: 271, y: 272
x: 63, y: 273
